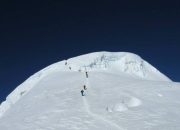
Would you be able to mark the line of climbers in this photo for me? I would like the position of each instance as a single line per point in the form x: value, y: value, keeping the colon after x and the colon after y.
x: 84, y: 87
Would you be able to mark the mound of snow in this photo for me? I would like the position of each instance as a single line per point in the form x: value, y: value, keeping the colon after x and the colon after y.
x: 125, y: 103
x: 120, y: 107
x: 134, y: 102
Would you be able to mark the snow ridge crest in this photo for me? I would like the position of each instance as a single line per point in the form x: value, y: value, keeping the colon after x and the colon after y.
x: 117, y: 62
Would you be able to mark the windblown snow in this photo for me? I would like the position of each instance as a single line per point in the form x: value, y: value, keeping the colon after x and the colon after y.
x: 124, y: 92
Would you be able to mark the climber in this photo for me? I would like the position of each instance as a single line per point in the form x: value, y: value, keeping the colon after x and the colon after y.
x: 66, y: 63
x: 86, y: 74
x: 84, y: 87
x: 82, y: 92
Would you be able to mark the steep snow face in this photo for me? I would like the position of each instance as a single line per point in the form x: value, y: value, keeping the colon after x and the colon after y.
x: 117, y: 62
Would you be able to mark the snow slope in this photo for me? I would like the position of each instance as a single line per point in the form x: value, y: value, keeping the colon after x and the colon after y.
x: 116, y: 98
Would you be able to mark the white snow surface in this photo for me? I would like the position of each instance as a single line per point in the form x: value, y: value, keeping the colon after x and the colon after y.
x: 124, y: 92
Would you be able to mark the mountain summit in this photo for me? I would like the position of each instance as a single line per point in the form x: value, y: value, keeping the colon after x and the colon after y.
x: 122, y: 92
x: 117, y: 62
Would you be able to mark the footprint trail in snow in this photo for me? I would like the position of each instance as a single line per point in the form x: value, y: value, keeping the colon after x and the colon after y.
x: 96, y: 116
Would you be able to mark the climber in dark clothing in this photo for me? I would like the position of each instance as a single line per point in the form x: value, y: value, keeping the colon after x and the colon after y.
x: 84, y: 87
x: 66, y: 63
x: 86, y: 74
x: 82, y: 92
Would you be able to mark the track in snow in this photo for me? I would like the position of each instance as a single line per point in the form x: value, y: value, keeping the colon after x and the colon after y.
x: 86, y: 105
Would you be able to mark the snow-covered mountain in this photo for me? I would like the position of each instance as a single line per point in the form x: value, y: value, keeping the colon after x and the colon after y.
x: 123, y: 92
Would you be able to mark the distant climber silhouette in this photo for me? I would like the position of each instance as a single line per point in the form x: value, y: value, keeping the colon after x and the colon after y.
x: 82, y: 92
x: 85, y: 88
x: 66, y: 63
x: 86, y: 74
